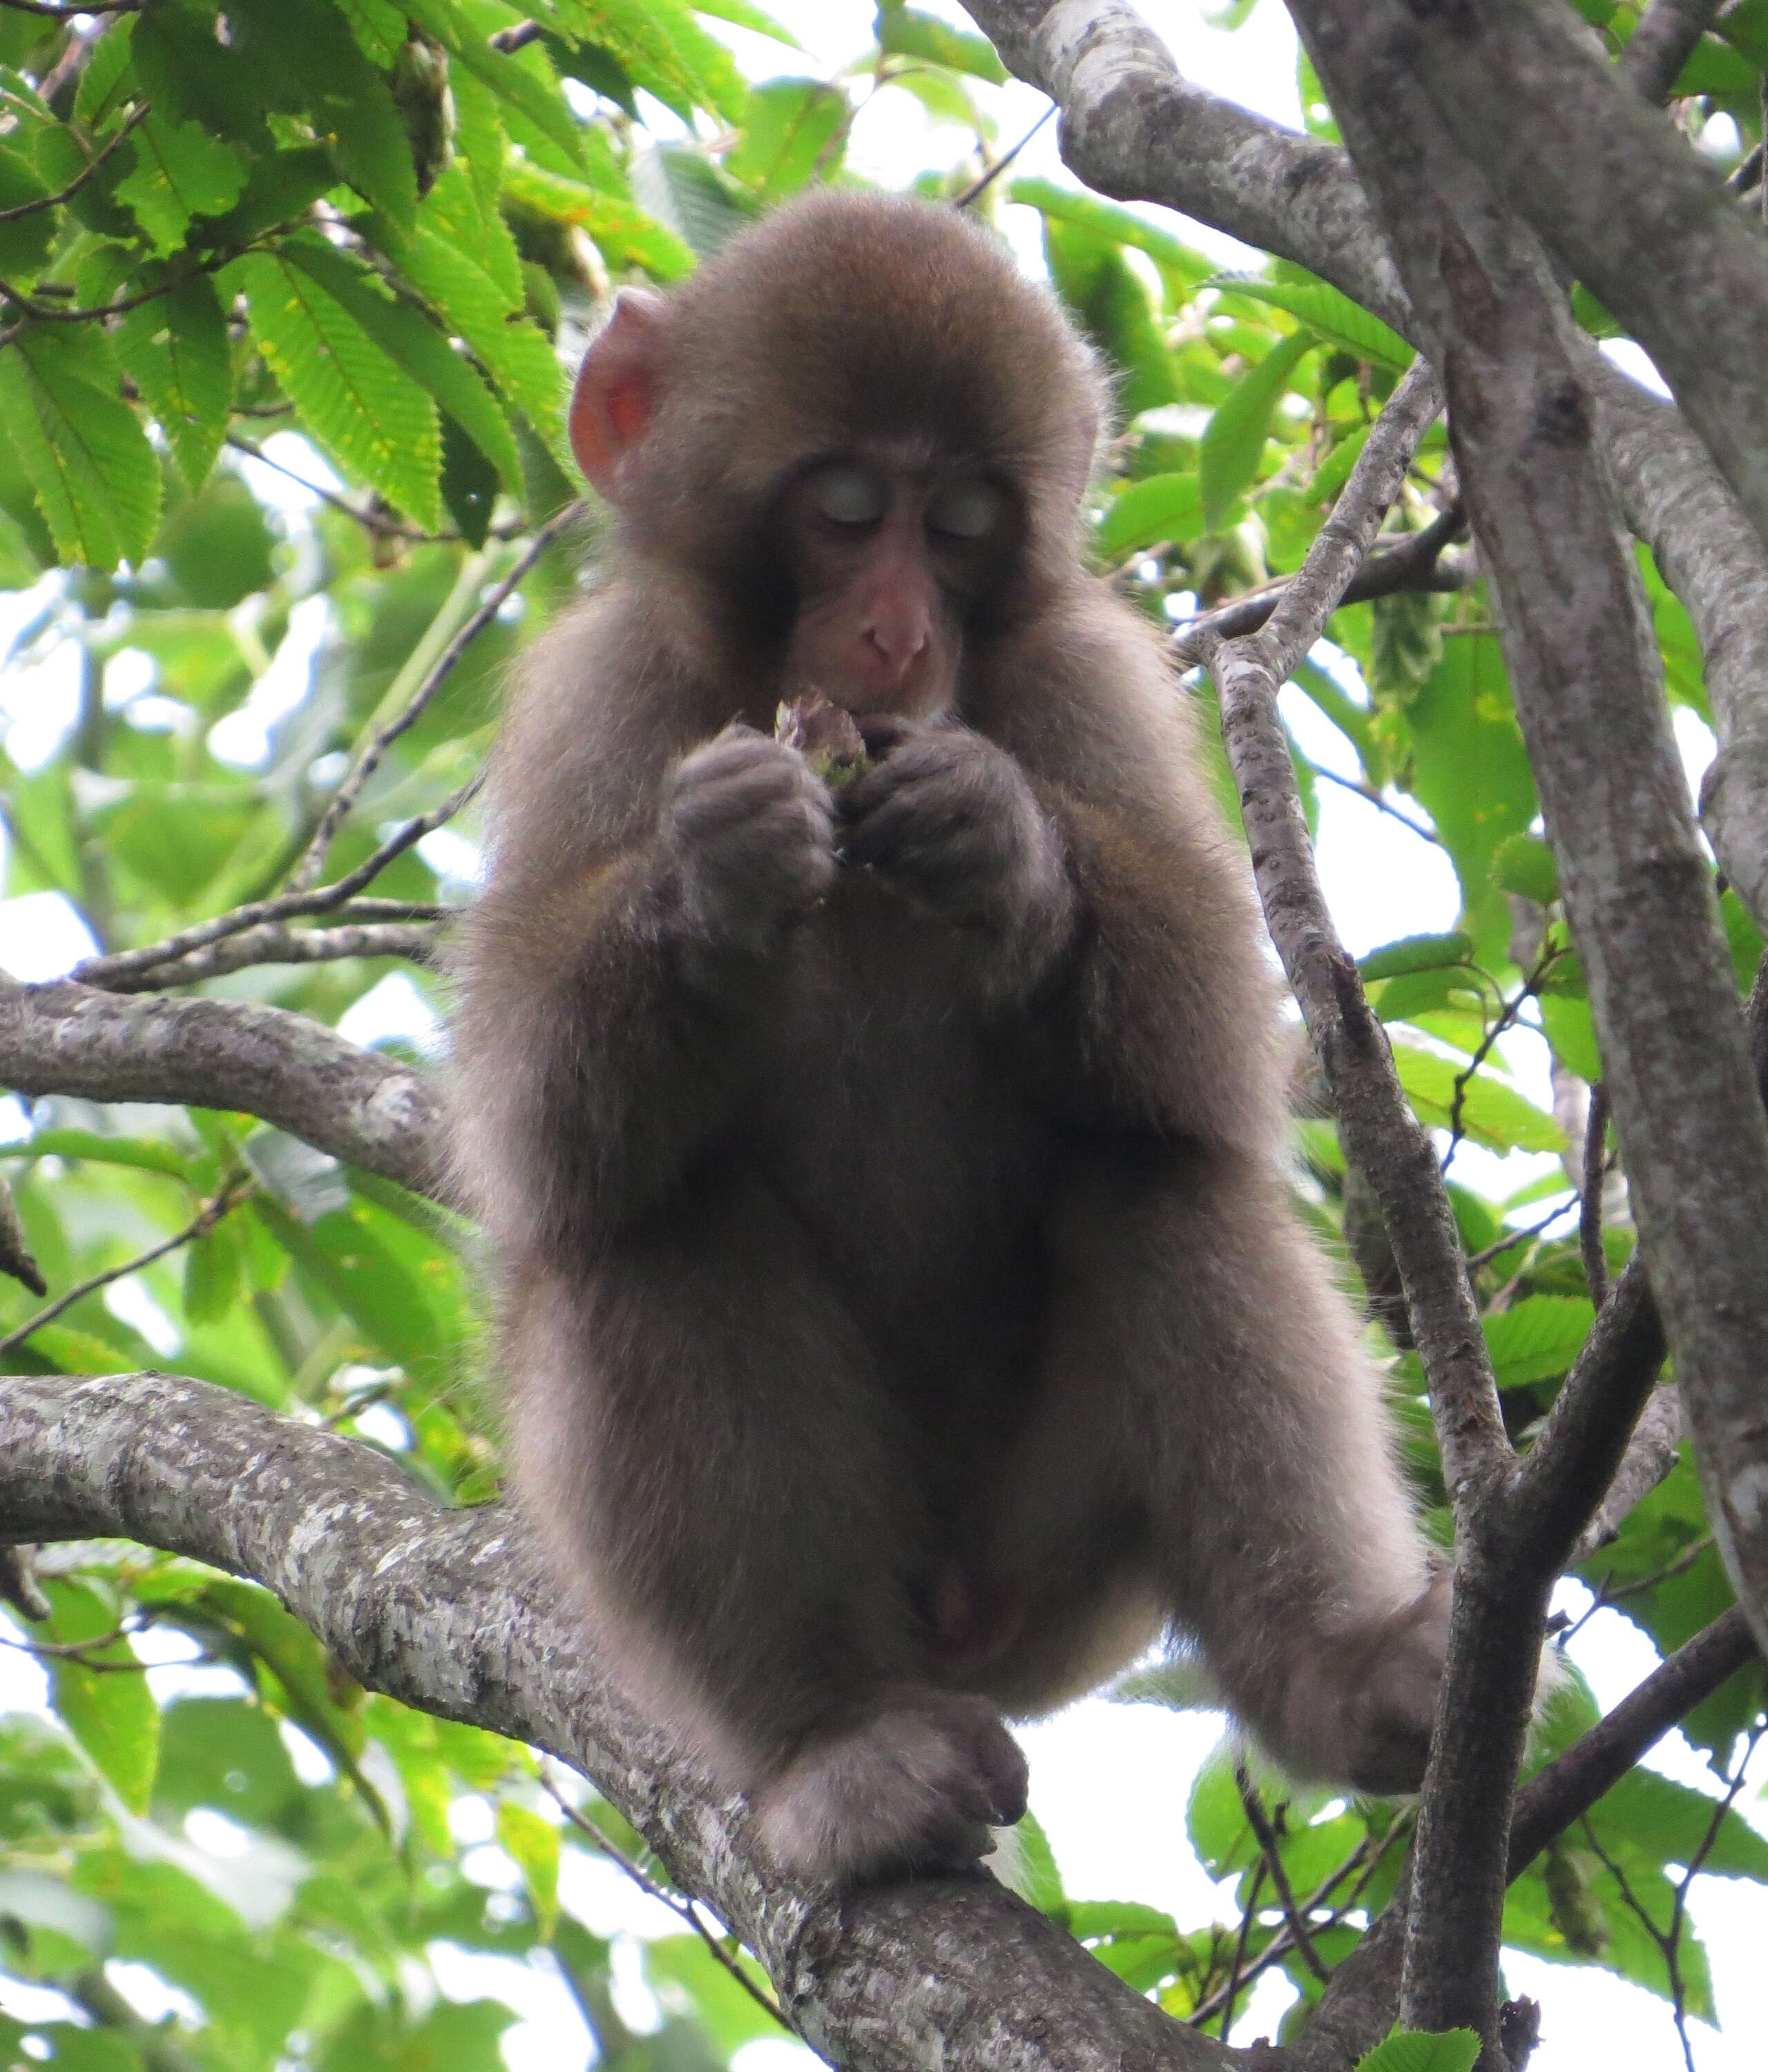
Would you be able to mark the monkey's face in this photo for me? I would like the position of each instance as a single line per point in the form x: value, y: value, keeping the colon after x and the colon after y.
x: 887, y: 560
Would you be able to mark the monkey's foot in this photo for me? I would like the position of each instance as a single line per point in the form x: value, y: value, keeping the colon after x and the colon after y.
x: 918, y: 1787
x: 1360, y: 1708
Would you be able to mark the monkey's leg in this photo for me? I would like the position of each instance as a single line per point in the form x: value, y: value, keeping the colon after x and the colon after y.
x: 1202, y: 1375
x: 738, y: 1503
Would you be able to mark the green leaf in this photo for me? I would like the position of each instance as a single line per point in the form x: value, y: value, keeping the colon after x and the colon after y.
x: 791, y: 126
x: 378, y: 27
x: 524, y: 91
x: 1181, y: 267
x: 741, y: 15
x: 1416, y: 953
x: 1524, y: 864
x: 1097, y: 281
x: 418, y: 346
x: 626, y: 235
x: 1537, y: 1338
x: 27, y: 243
x: 175, y: 351
x: 1160, y: 507
x: 1419, y: 2050
x: 1667, y: 1823
x: 532, y: 1841
x: 359, y: 403
x: 109, y: 1711
x: 150, y: 1154
x: 662, y: 48
x: 1324, y: 309
x: 906, y: 32
x: 1233, y: 442
x: 180, y: 172
x: 211, y: 1274
x: 94, y: 473
x: 308, y: 69
x: 1031, y: 1869
x: 682, y: 189
x: 1491, y: 1113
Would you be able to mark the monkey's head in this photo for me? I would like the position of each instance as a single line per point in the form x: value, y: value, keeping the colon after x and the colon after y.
x: 862, y: 428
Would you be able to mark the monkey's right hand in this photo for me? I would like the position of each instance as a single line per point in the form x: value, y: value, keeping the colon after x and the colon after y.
x: 748, y: 830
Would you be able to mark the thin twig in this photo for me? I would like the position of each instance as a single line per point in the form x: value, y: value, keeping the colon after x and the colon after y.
x: 1506, y: 1021
x: 1650, y: 1454
x: 275, y: 942
x: 370, y: 519
x: 350, y: 790
x: 78, y: 1651
x: 1512, y: 1239
x: 1231, y: 1992
x: 205, y: 1220
x: 985, y: 181
x: 1371, y: 797
x: 54, y: 201
x: 1590, y: 1220
x: 113, y: 973
x: 1266, y: 1837
x: 681, y: 1907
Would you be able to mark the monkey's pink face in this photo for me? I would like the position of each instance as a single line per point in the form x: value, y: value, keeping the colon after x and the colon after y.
x: 884, y: 559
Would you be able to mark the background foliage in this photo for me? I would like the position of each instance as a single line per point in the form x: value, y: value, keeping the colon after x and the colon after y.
x: 374, y: 236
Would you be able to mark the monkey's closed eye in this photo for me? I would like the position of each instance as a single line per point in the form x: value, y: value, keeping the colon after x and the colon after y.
x: 849, y: 495
x: 965, y: 510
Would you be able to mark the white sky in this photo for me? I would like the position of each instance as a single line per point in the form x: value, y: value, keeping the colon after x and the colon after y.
x: 1109, y: 1782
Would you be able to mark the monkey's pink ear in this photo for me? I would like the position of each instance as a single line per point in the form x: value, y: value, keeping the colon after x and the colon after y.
x: 610, y: 405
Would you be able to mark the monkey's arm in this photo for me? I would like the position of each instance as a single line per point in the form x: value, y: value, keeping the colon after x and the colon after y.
x: 608, y: 1002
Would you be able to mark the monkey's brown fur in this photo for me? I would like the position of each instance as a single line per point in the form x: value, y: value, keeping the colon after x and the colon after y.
x: 901, y: 1310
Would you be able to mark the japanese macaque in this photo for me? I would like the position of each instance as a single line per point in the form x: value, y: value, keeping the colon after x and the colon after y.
x: 903, y: 1316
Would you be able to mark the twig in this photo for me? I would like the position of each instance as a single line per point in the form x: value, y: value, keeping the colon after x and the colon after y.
x: 1265, y: 1835
x: 371, y: 520
x: 275, y: 942
x: 1748, y: 174
x: 681, y: 1907
x: 1231, y: 1992
x: 1415, y: 562
x: 1589, y: 1221
x: 115, y: 972
x: 1597, y: 1761
x: 1371, y: 796
x: 1505, y: 1021
x: 51, y: 10
x: 1664, y: 42
x: 1678, y: 1907
x: 1650, y: 1454
x: 54, y: 201
x: 350, y: 790
x: 985, y: 181
x: 517, y: 37
x: 1512, y: 1239
x: 77, y: 1650
x: 204, y: 1220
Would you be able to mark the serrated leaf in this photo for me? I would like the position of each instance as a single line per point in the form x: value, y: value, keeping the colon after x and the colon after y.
x: 418, y: 346
x: 175, y: 351
x: 525, y: 92
x: 378, y: 27
x: 519, y: 355
x: 665, y: 50
x: 741, y: 15
x: 1418, y: 2050
x: 1416, y: 953
x: 625, y: 234
x: 110, y: 1711
x: 26, y: 243
x: 1537, y: 1338
x: 356, y: 401
x: 1160, y: 507
x: 180, y: 173
x: 1324, y: 309
x: 1182, y: 267
x: 682, y: 189
x: 906, y: 32
x: 106, y: 79
x: 1524, y: 864
x: 791, y: 126
x: 1491, y: 1113
x: 1233, y: 442
x: 88, y: 460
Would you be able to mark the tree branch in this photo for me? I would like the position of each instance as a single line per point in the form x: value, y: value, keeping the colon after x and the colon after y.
x: 447, y: 1611
x: 65, y: 1038
x: 1664, y: 42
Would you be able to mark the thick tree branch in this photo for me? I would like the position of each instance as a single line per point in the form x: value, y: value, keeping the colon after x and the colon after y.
x: 64, y: 1038
x: 446, y: 1611
x: 1664, y: 41
x: 1132, y: 126
x: 1602, y: 178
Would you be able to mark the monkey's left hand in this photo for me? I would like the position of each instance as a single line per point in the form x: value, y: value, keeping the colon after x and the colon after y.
x: 951, y: 819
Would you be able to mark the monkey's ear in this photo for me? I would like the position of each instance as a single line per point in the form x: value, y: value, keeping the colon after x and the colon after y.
x: 610, y: 405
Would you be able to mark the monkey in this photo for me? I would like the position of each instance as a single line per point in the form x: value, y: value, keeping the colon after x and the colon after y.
x: 904, y: 1315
